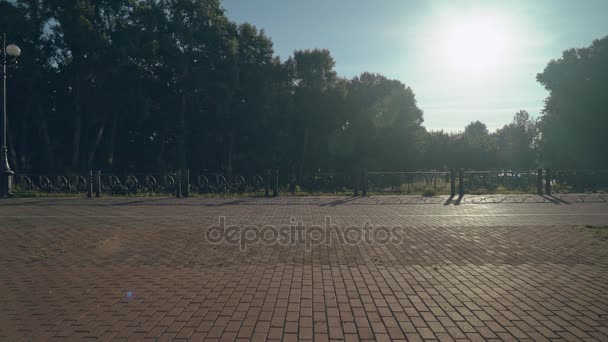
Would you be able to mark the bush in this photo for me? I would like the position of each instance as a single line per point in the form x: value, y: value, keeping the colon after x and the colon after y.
x: 429, y: 193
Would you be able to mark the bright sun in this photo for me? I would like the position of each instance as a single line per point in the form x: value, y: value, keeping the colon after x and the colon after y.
x: 471, y: 44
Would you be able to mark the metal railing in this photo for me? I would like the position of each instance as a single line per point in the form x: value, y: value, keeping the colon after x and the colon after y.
x: 328, y: 182
x: 408, y: 182
x: 488, y: 182
x: 135, y: 184
x: 49, y: 184
x: 223, y: 184
x: 267, y: 183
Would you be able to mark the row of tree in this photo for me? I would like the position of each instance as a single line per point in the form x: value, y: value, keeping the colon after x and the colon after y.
x: 154, y: 85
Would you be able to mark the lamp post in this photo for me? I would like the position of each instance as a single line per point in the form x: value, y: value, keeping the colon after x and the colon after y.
x: 6, y: 174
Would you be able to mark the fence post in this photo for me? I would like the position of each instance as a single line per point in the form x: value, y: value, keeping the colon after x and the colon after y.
x: 452, y: 182
x: 186, y: 183
x: 461, y: 182
x: 548, y: 181
x: 267, y: 184
x: 90, y: 185
x: 98, y: 185
x: 364, y: 183
x: 178, y: 184
x: 275, y: 191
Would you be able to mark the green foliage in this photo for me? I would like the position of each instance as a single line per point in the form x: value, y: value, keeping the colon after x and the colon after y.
x: 154, y: 85
x: 429, y: 193
x: 575, y: 120
x: 518, y: 143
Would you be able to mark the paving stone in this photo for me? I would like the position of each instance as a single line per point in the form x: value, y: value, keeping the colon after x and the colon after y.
x: 495, y: 267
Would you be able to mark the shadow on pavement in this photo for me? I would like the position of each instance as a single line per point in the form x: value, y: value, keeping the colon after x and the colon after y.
x: 340, y: 201
x: 449, y: 200
x: 323, y: 201
x: 558, y: 199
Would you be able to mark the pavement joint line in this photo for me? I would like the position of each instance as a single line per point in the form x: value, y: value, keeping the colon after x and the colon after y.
x: 214, y: 216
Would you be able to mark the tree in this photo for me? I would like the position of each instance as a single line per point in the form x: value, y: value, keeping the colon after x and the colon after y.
x: 382, y: 123
x: 31, y: 82
x: 314, y: 78
x: 479, y: 149
x: 574, y: 118
x: 517, y: 143
x: 153, y: 86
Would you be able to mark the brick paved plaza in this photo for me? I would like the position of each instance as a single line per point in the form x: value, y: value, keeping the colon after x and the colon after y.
x: 507, y: 268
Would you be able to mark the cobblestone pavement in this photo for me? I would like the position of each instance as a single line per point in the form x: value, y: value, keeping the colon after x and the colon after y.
x: 493, y: 267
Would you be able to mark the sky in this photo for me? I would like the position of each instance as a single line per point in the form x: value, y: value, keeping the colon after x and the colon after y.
x: 465, y: 60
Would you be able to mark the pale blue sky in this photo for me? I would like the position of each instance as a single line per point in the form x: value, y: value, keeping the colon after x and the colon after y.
x: 407, y: 40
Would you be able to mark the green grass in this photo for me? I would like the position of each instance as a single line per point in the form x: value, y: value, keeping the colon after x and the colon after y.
x: 46, y: 194
x: 599, y: 231
x: 501, y: 190
x: 217, y: 195
x: 316, y: 193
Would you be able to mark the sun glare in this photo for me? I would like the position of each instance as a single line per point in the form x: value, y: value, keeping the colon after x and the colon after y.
x: 473, y: 43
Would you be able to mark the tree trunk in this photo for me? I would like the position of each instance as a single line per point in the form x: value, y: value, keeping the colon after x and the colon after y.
x: 24, y: 149
x: 181, y: 125
x: 46, y: 138
x: 112, y: 143
x: 181, y: 130
x: 76, y: 137
x: 160, y: 161
x: 76, y: 142
x: 303, y: 155
x: 95, y: 145
x: 231, y: 137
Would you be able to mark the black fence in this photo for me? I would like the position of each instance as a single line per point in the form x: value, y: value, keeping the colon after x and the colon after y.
x: 428, y: 183
x: 134, y: 184
x: 50, y: 184
x: 271, y: 183
x: 487, y: 182
x: 218, y: 183
x: 324, y: 182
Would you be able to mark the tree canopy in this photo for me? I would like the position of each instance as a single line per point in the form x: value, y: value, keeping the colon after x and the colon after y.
x: 576, y: 111
x: 145, y: 86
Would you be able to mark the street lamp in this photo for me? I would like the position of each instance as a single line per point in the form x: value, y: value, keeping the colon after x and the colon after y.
x: 6, y: 174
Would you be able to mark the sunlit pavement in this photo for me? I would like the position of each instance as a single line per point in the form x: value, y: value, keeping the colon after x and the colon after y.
x: 493, y: 267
